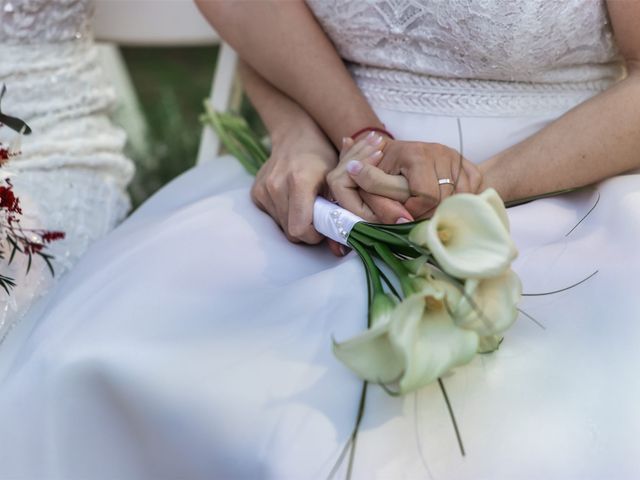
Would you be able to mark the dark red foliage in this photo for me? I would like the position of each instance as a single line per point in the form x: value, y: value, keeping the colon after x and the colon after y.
x: 48, y: 237
x: 4, y: 155
x: 8, y: 200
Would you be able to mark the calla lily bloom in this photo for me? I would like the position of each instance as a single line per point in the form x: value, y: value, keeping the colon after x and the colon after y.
x: 431, y: 345
x: 489, y: 306
x: 418, y: 344
x: 493, y: 199
x: 467, y: 237
x: 489, y: 343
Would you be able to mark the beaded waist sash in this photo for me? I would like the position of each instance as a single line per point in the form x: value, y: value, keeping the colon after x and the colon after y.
x: 410, y: 92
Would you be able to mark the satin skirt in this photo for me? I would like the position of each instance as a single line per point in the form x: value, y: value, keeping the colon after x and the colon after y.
x: 194, y: 342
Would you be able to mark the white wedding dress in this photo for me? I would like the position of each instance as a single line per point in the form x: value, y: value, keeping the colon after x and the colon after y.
x: 195, y: 341
x: 71, y: 175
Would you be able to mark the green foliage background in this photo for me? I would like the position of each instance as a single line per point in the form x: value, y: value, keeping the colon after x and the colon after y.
x: 171, y: 84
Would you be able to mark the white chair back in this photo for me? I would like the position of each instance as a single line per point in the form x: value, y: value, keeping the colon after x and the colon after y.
x: 152, y: 23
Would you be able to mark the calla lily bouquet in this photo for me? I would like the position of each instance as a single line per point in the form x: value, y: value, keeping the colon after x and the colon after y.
x: 440, y: 290
x: 452, y: 295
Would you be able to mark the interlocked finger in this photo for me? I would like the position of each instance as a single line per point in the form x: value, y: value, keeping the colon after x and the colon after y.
x: 375, y: 181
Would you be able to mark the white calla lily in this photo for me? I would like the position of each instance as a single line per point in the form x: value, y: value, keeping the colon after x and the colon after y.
x: 417, y: 345
x: 430, y: 345
x: 433, y: 284
x: 489, y: 344
x: 372, y: 355
x: 489, y: 306
x: 467, y: 237
x: 493, y: 199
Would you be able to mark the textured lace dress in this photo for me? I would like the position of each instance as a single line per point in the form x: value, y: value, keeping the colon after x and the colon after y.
x: 474, y: 57
x: 71, y: 175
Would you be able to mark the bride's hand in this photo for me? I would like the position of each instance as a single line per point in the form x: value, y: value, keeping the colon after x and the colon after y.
x: 287, y: 184
x: 420, y: 175
x: 370, y: 206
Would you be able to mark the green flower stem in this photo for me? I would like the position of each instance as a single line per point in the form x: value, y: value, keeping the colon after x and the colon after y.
x: 380, y: 235
x: 252, y: 144
x: 360, y: 238
x: 399, y: 229
x: 370, y: 242
x: 370, y: 267
x: 396, y: 266
x: 520, y: 201
x: 230, y: 142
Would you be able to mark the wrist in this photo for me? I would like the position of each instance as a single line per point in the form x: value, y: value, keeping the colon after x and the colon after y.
x: 288, y: 123
x: 381, y: 130
x: 493, y: 177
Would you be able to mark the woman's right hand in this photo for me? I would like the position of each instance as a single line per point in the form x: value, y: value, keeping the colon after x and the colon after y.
x: 287, y: 184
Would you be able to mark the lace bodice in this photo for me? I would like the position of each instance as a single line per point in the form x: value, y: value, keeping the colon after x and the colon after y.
x: 566, y: 45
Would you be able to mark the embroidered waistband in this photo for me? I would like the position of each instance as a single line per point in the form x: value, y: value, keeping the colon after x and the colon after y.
x: 410, y: 92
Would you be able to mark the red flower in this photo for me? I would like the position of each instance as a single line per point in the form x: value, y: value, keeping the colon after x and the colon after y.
x: 8, y: 200
x: 4, y: 155
x: 48, y: 237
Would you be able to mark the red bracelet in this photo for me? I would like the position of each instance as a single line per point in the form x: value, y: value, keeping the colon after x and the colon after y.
x: 372, y: 129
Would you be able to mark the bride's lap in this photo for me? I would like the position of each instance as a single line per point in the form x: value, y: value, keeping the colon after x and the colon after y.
x: 197, y: 340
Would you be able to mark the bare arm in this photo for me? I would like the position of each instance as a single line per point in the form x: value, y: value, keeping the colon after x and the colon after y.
x: 593, y: 141
x: 284, y: 43
x: 301, y: 157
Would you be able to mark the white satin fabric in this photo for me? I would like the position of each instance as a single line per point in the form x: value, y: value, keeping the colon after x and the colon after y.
x: 194, y: 342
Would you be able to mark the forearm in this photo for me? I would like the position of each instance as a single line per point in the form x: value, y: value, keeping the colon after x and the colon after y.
x: 278, y: 112
x: 283, y: 42
x: 593, y: 141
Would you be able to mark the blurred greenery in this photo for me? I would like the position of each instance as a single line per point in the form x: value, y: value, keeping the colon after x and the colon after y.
x: 171, y: 84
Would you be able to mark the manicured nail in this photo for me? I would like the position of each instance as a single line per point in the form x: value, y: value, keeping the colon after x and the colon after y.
x: 402, y: 220
x: 344, y: 140
x: 354, y: 167
x: 375, y: 155
x: 378, y: 140
x: 371, y: 135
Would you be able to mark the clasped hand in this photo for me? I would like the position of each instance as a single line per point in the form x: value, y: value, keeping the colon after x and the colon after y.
x: 394, y: 181
x: 378, y: 179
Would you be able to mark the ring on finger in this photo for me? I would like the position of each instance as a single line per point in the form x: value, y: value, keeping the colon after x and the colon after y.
x: 446, y: 181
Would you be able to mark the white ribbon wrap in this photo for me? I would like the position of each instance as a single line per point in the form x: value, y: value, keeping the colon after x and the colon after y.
x: 333, y: 221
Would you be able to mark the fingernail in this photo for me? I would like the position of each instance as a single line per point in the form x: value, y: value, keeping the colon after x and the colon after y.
x: 378, y: 140
x: 344, y: 140
x: 354, y: 167
x: 375, y: 155
x: 371, y: 135
x: 344, y: 250
x: 402, y: 220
